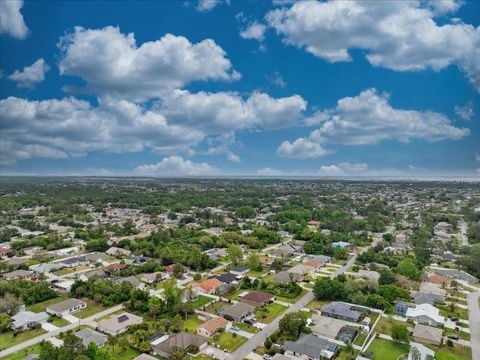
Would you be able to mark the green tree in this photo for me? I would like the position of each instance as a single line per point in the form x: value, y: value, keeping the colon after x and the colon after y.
x: 329, y: 289
x: 177, y: 353
x: 72, y: 347
x: 253, y: 262
x: 235, y: 253
x: 292, y: 324
x: 4, y: 322
x: 400, y: 334
x: 178, y: 270
x: 245, y: 212
x: 407, y: 268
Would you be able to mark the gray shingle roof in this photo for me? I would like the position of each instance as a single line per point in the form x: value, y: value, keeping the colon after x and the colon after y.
x: 310, y: 345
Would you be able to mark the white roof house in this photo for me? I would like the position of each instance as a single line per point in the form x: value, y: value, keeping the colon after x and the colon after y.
x: 425, y: 314
x: 27, y: 319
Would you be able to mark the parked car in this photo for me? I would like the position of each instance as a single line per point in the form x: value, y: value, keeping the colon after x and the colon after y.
x: 249, y: 321
x: 455, y: 319
x: 453, y: 337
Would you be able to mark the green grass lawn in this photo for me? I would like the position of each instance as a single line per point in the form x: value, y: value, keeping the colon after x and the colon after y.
x: 360, y: 339
x: 20, y: 355
x: 215, y: 308
x: 266, y: 314
x: 456, y: 353
x: 385, y: 325
x: 373, y: 317
x: 387, y: 350
x: 457, y: 312
x: 201, y: 302
x: 234, y: 296
x: 254, y: 274
x: 127, y: 354
x: 316, y: 304
x: 246, y: 327
x: 228, y: 341
x: 7, y: 339
x: 92, y: 308
x: 461, y: 334
x: 58, y: 321
x: 192, y: 323
x: 41, y: 306
x: 292, y: 300
x: 68, y: 270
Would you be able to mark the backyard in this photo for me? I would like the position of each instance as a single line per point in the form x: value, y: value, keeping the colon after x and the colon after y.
x: 387, y: 350
x: 201, y: 302
x: 215, y: 308
x: 192, y: 323
x: 41, y: 306
x: 385, y: 325
x: 92, y: 308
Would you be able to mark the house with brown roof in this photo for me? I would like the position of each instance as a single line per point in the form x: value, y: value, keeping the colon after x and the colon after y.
x: 212, y: 326
x: 427, y: 334
x: 257, y: 298
x: 209, y: 286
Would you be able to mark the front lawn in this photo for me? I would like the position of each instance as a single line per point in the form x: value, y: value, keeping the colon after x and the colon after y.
x: 58, y: 321
x: 456, y: 353
x: 266, y: 314
x: 41, y: 306
x: 192, y: 323
x: 292, y: 300
x: 20, y: 355
x: 316, y: 304
x: 68, y: 270
x: 235, y: 295
x: 387, y: 350
x: 457, y: 312
x: 201, y: 302
x: 7, y: 339
x: 246, y: 327
x: 461, y: 334
x: 92, y: 308
x: 228, y: 341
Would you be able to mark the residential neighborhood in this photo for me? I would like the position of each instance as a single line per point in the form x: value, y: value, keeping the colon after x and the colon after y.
x: 272, y: 282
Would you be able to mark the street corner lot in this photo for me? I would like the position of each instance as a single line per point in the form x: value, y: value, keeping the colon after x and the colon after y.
x: 266, y: 314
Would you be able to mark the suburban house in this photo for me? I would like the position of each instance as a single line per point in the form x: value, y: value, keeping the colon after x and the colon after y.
x: 302, y: 269
x: 115, y: 267
x: 183, y: 340
x: 311, y: 347
x: 286, y: 277
x: 324, y: 259
x: 118, y: 252
x: 423, y: 351
x: 238, y: 311
x: 207, y: 286
x: 257, y: 298
x: 27, y: 319
x: 75, y: 261
x: 151, y: 278
x: 401, y: 307
x: 66, y: 307
x: 239, y: 271
x: 118, y: 324
x: 433, y: 288
x: 227, y: 278
x: 427, y: 334
x: 420, y: 297
x: 17, y: 274
x: 457, y: 275
x: 339, y: 245
x: 212, y: 326
x: 95, y: 257
x: 88, y: 336
x: 215, y: 254
x: 425, y: 314
x: 344, y: 311
x: 5, y: 251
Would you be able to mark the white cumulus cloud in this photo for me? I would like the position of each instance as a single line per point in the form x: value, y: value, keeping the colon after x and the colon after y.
x: 369, y: 119
x: 466, y: 112
x: 254, y: 31
x: 398, y: 35
x: 30, y: 75
x: 112, y: 63
x: 176, y: 166
x: 11, y: 19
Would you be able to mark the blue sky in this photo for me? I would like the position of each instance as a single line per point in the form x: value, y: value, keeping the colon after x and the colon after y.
x: 240, y: 88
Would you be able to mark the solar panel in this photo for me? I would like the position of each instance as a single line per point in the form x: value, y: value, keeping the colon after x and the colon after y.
x: 122, y: 318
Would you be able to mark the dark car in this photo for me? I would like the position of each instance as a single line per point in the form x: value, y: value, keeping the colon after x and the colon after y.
x: 454, y: 318
x: 453, y: 337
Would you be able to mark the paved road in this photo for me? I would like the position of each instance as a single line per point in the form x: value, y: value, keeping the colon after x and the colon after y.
x: 267, y: 331
x: 463, y: 233
x: 474, y: 319
x: 87, y: 321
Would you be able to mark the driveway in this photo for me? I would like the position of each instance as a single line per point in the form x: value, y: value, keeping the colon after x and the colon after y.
x: 474, y: 318
x: 49, y: 327
x: 215, y: 353
x: 243, y: 333
x: 70, y: 318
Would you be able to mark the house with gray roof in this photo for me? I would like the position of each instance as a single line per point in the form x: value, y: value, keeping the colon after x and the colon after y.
x: 458, y: 275
x: 344, y: 311
x: 238, y: 311
x: 183, y: 340
x: 66, y: 307
x: 88, y: 336
x: 422, y: 297
x: 118, y: 324
x: 311, y: 347
x: 26, y: 320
